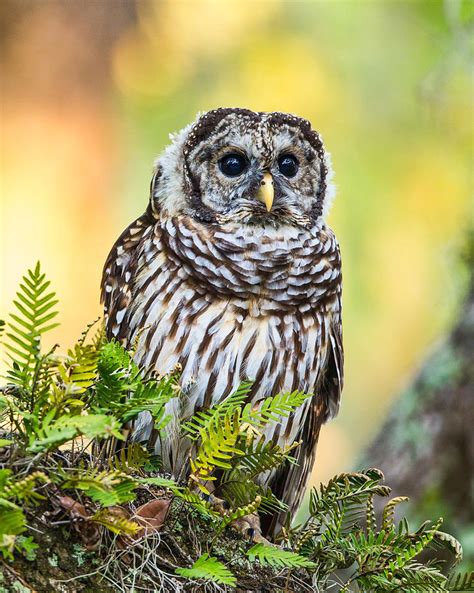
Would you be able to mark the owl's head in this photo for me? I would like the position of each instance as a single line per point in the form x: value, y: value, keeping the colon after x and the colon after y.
x: 236, y: 165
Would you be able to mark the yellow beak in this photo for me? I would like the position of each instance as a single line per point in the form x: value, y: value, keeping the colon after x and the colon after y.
x: 266, y: 191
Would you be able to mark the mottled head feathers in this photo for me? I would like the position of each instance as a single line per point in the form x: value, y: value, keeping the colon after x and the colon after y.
x: 188, y: 177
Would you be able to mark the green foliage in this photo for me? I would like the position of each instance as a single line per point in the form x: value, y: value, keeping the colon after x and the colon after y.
x: 64, y: 429
x: 342, y: 532
x: 210, y: 569
x: 229, y: 438
x: 34, y: 313
x: 278, y: 558
x: 115, y: 523
x: 131, y: 458
x: 13, y: 492
x: 65, y: 414
x: 461, y: 582
x: 105, y: 487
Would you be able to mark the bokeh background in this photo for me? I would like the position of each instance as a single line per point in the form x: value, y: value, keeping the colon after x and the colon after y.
x: 92, y: 89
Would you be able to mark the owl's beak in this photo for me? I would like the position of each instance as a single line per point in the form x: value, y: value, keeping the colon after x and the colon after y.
x: 266, y: 191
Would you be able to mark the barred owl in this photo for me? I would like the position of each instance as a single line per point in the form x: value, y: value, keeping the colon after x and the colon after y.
x: 233, y: 273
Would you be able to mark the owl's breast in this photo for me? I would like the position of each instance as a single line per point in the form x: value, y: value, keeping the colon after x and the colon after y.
x: 276, y: 269
x: 221, y: 342
x: 229, y: 307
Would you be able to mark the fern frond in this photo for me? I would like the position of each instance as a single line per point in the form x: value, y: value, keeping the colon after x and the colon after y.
x: 197, y: 502
x: 107, y: 488
x: 210, y: 569
x: 389, y: 511
x: 416, y: 578
x: 79, y: 370
x: 160, y: 482
x: 35, y: 312
x: 215, y: 450
x: 356, y: 487
x: 12, y: 523
x: 263, y: 456
x: 272, y: 409
x: 202, y: 420
x: 130, y: 458
x: 239, y: 512
x: 449, y: 542
x: 23, y: 489
x: 115, y: 522
x: 66, y: 428
x: 461, y: 582
x: 278, y: 558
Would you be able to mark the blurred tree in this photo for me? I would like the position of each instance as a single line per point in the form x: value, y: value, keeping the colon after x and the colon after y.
x: 426, y: 446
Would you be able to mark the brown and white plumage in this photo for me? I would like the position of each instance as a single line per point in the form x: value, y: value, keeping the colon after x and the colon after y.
x: 212, y: 280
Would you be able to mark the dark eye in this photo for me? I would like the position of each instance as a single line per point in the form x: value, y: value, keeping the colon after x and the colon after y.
x: 233, y: 164
x: 288, y: 165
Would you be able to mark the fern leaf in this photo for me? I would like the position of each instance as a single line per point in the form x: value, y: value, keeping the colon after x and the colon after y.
x: 35, y: 311
x: 12, y: 523
x: 130, y: 458
x: 216, y: 450
x: 239, y: 512
x: 278, y: 558
x: 201, y: 505
x: 389, y: 511
x: 107, y: 488
x: 66, y: 428
x: 263, y: 456
x: 451, y: 543
x: 79, y: 370
x: 115, y: 522
x: 202, y: 420
x: 272, y: 409
x: 210, y: 569
x: 24, y: 489
x: 461, y: 582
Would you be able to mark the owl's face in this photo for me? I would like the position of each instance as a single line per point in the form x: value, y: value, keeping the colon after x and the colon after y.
x: 238, y: 166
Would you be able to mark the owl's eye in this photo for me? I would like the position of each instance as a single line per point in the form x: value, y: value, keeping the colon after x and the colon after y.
x: 288, y: 165
x: 233, y: 164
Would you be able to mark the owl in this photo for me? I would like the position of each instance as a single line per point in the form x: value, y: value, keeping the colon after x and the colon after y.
x: 233, y: 273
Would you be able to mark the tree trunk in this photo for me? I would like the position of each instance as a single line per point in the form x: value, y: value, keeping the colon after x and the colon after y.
x: 426, y: 446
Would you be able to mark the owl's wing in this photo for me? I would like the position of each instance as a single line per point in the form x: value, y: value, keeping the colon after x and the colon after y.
x: 333, y: 379
x: 119, y: 271
x: 290, y: 481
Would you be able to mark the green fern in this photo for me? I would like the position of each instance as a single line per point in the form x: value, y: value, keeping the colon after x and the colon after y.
x: 23, y: 489
x: 35, y: 312
x: 278, y: 558
x: 130, y: 459
x: 122, y: 389
x: 389, y: 511
x: 105, y: 487
x: 79, y: 370
x: 257, y: 458
x: 210, y: 569
x: 12, y: 516
x: 203, y: 420
x: 239, y: 512
x: 12, y: 524
x: 216, y: 450
x: 227, y: 432
x: 115, y: 523
x: 66, y: 428
x: 272, y: 409
x: 461, y: 582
